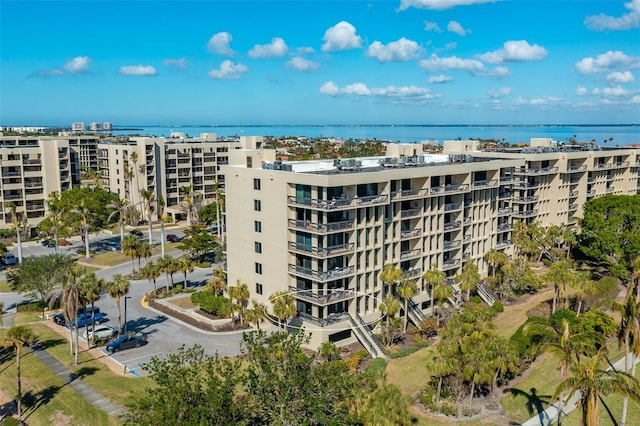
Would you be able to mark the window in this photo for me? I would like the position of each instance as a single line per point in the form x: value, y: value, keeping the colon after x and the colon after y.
x: 257, y: 247
x: 257, y: 206
x: 257, y: 226
x: 258, y: 268
x: 258, y: 288
x: 256, y: 184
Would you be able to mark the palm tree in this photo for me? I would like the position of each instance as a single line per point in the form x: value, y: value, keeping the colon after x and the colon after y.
x: 434, y: 278
x: 189, y: 204
x: 55, y: 216
x: 130, y: 247
x: 148, y: 201
x: 17, y: 336
x: 505, y: 358
x: 216, y: 285
x: 160, y: 206
x: 133, y: 156
x: 118, y: 288
x: 442, y: 292
x: 389, y: 307
x: 219, y: 209
x: 167, y: 264
x: 85, y: 224
x: 91, y: 289
x: 151, y: 272
x: 390, y: 275
x: 18, y: 223
x: 144, y: 250
x: 69, y: 302
x: 560, y: 275
x: 495, y: 258
x: 185, y: 265
x: 242, y: 296
x: 284, y: 307
x: 469, y: 278
x: 120, y: 208
x: 406, y: 290
x: 256, y: 313
x: 593, y: 382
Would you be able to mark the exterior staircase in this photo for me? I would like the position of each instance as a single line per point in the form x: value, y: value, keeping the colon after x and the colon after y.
x: 485, y: 294
x: 366, y: 337
x: 416, y: 315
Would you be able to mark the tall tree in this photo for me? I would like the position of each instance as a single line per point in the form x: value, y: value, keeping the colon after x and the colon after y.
x: 469, y: 278
x: 133, y: 156
x: 120, y: 208
x: 131, y: 247
x: 495, y: 258
x: 85, y: 222
x: 442, y: 292
x: 117, y: 289
x: 168, y: 265
x: 148, y: 202
x: 16, y: 337
x: 55, y: 214
x: 91, y: 288
x: 18, y: 224
x: 239, y: 293
x: 151, y: 272
x: 185, y: 265
x: 406, y: 290
x: 283, y: 305
x: 559, y: 274
x: 434, y: 278
x: 390, y: 275
x: 160, y: 209
x: 256, y: 313
x: 69, y: 301
x: 190, y: 204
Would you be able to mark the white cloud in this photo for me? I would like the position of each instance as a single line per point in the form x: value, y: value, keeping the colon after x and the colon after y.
x: 499, y: 93
x: 456, y: 27
x: 228, y: 71
x: 138, y: 70
x: 301, y: 64
x: 435, y: 63
x: 438, y: 4
x: 401, y: 50
x: 398, y: 95
x: 451, y: 45
x: 439, y: 79
x: 219, y: 44
x: 607, y: 62
x: 77, y: 65
x: 181, y: 63
x: 432, y: 26
x: 304, y: 50
x: 499, y: 72
x: 342, y: 36
x: 627, y: 21
x: 514, y: 51
x: 621, y: 77
x: 540, y: 101
x: 581, y: 91
x: 276, y: 49
x: 612, y: 91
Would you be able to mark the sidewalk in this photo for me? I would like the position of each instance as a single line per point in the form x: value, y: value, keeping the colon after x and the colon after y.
x: 76, y: 383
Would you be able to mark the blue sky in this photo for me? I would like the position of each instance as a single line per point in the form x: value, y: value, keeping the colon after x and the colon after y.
x: 320, y: 62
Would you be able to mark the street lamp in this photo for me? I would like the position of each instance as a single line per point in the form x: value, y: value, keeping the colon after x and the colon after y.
x: 125, y: 314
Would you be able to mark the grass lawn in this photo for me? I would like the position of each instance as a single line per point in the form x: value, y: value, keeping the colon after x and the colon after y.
x: 47, y: 399
x: 4, y: 287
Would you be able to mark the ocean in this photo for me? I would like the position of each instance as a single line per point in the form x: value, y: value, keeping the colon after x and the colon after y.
x: 607, y: 135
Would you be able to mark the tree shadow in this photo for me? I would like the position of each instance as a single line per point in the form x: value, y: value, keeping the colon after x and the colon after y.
x: 8, y: 409
x: 535, y: 403
x: 47, y: 343
x: 81, y: 373
x: 6, y: 354
x: 32, y: 401
x: 140, y: 324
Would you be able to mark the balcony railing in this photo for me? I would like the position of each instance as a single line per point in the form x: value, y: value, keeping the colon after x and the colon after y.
x: 536, y: 171
x: 406, y: 193
x: 324, y: 322
x: 503, y: 227
x: 529, y: 199
x: 336, y: 203
x: 503, y: 244
x: 591, y: 193
x: 448, y: 245
x: 321, y: 227
x: 452, y: 206
x: 505, y: 211
x: 322, y: 275
x: 573, y: 194
x: 573, y: 207
x: 574, y: 169
x: 409, y: 213
x: 450, y: 263
x: 526, y: 213
x: 503, y: 195
x: 321, y: 251
x: 413, y: 233
x: 485, y: 183
x: 610, y: 190
x: 411, y: 272
x: 449, y: 189
x: 409, y: 254
x: 507, y: 179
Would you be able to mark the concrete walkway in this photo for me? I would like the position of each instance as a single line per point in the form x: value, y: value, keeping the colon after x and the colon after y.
x: 76, y: 383
x: 550, y: 414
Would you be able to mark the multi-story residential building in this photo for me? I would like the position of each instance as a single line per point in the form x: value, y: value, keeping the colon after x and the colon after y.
x: 34, y: 167
x: 324, y: 230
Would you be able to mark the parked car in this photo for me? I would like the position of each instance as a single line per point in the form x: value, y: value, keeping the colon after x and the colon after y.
x: 101, y: 332
x: 89, y: 318
x: 136, y: 232
x: 48, y: 243
x: 10, y: 259
x: 126, y: 342
x: 59, y: 317
x: 109, y: 246
x: 173, y: 238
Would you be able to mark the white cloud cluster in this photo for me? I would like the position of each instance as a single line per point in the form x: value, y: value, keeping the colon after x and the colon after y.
x: 402, y: 94
x: 400, y: 51
x: 181, y: 63
x: 607, y: 62
x: 621, y: 77
x: 138, y: 70
x: 611, y: 91
x: 581, y: 91
x: 627, y: 21
x: 77, y: 65
x: 438, y: 4
x: 473, y: 66
x: 456, y: 27
x: 299, y: 63
x: 514, y: 51
x: 275, y: 49
x: 219, y: 44
x: 228, y: 71
x: 342, y: 36
x: 432, y: 26
x: 540, y: 101
x: 440, y: 79
x: 499, y: 93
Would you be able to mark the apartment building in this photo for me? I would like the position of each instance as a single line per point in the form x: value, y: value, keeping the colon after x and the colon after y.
x: 324, y: 230
x: 34, y: 167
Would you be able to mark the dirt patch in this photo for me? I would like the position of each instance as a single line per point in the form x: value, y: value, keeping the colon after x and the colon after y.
x: 183, y: 302
x: 8, y: 406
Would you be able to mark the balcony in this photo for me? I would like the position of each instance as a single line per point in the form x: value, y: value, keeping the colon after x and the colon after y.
x: 505, y: 180
x: 409, y: 213
x: 321, y: 227
x: 576, y: 169
x: 320, y: 251
x: 413, y: 233
x: 449, y: 226
x: 503, y: 244
x: 591, y: 193
x: 504, y: 227
x: 409, y: 193
x: 573, y: 207
x: 573, y: 194
x: 321, y: 275
x: 504, y: 195
x: 333, y: 296
x: 32, y: 161
x: 336, y: 203
x: 525, y: 213
x: 621, y: 164
x: 610, y: 190
x: 448, y: 189
x: 530, y: 199
x: 13, y: 197
x: 523, y: 184
x: 324, y: 322
x: 409, y: 254
x: 536, y: 171
x: 452, y: 206
x: 450, y: 263
x: 450, y: 245
x: 505, y: 211
x: 484, y: 184
x: 411, y: 272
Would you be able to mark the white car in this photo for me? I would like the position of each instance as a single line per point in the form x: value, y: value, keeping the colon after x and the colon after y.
x: 102, y: 332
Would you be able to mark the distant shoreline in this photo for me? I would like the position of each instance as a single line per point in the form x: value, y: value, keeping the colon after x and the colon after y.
x: 213, y: 126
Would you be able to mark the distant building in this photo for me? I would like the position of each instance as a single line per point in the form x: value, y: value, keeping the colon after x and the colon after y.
x: 78, y: 127
x: 95, y: 127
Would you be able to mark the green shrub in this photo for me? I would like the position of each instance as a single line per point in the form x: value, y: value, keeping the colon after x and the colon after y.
x: 177, y: 289
x: 209, y: 303
x: 475, y: 299
x: 448, y: 409
x: 377, y: 368
x: 405, y: 352
x: 204, y: 265
x: 546, y: 262
x: 37, y: 306
x: 10, y: 421
x: 470, y: 412
x: 497, y: 306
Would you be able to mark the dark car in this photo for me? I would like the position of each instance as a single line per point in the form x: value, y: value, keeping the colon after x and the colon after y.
x: 48, y: 243
x: 136, y: 232
x: 126, y: 342
x: 89, y: 318
x: 59, y: 317
x: 173, y: 238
